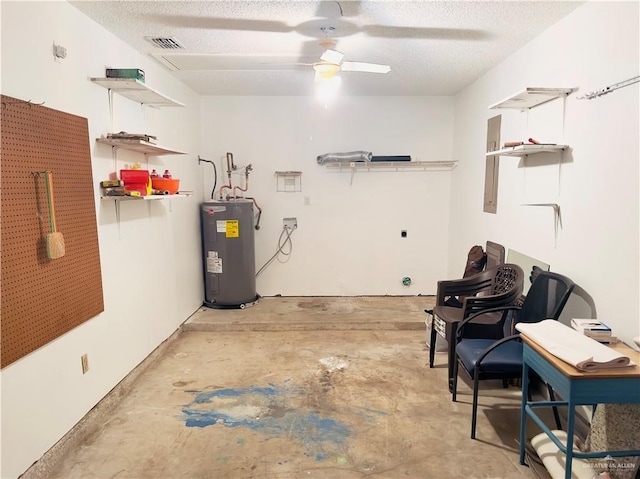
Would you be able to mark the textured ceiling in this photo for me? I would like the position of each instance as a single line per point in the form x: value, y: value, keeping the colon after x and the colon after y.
x: 253, y: 47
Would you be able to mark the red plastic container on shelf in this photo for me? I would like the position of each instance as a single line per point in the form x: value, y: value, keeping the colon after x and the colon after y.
x: 170, y: 185
x: 136, y: 180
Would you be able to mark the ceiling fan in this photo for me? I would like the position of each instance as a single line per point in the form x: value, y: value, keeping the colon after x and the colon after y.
x: 329, y: 24
x: 331, y: 62
x: 329, y: 14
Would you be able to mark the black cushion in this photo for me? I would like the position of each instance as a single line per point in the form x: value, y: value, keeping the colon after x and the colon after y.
x: 505, y: 359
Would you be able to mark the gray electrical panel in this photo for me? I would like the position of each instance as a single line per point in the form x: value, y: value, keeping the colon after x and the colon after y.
x: 229, y: 253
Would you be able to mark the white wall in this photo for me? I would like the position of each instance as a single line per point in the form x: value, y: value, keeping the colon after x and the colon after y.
x: 150, y: 260
x: 348, y: 241
x: 596, y: 185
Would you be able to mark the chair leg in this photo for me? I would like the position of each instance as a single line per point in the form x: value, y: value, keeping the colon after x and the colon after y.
x: 432, y: 342
x: 474, y: 411
x: 451, y: 356
x: 556, y: 415
x: 454, y: 391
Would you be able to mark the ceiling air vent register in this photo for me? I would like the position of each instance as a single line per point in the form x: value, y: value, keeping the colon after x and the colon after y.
x: 166, y: 43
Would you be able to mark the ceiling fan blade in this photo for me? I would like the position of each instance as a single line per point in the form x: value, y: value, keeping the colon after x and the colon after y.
x: 365, y: 67
x: 332, y: 56
x: 213, y: 62
x: 211, y: 23
x: 385, y: 31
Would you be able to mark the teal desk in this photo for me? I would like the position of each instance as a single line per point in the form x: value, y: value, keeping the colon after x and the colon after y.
x: 621, y: 386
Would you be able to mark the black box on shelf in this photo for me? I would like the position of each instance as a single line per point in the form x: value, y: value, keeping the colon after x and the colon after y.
x: 134, y: 73
x: 391, y: 158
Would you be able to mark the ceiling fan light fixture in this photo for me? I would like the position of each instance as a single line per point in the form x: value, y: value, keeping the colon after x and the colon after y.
x: 326, y: 70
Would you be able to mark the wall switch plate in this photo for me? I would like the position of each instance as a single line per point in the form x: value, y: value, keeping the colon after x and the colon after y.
x: 84, y: 359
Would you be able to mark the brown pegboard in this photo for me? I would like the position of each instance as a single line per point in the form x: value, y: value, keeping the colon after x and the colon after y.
x: 44, y: 298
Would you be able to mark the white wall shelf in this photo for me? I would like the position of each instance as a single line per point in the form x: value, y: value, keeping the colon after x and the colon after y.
x: 526, y: 150
x: 137, y: 91
x: 140, y: 146
x: 531, y: 97
x: 144, y: 198
x: 117, y: 200
x: 392, y: 165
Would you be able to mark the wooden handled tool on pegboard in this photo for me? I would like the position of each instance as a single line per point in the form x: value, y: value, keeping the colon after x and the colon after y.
x: 55, y: 240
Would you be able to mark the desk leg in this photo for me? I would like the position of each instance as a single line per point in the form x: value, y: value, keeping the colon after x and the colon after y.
x: 523, y: 412
x: 571, y: 413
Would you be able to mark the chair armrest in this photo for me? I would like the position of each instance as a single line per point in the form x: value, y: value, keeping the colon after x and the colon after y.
x: 472, y: 305
x: 469, y: 319
x: 463, y: 287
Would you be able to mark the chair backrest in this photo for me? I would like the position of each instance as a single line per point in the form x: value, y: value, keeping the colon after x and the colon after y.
x: 546, y: 298
x: 476, y: 259
x: 506, y: 287
x: 495, y: 254
x: 506, y: 278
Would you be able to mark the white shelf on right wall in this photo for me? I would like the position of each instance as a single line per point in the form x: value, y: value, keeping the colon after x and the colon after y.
x: 531, y: 97
x: 525, y: 150
x: 527, y: 99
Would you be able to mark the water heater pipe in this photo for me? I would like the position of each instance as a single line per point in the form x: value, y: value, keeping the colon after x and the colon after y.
x: 247, y: 169
x: 230, y: 167
x: 215, y: 175
x: 259, y: 211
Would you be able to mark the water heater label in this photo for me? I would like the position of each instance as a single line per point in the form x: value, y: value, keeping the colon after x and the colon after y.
x: 214, y: 264
x: 233, y: 230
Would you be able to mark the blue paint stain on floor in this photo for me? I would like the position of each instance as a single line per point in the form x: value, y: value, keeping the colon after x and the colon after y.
x: 206, y: 397
x: 267, y: 410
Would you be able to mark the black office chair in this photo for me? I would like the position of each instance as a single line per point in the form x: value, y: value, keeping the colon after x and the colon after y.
x: 486, y: 358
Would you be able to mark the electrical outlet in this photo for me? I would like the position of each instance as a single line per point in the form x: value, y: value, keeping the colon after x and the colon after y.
x: 84, y: 359
x: 291, y: 223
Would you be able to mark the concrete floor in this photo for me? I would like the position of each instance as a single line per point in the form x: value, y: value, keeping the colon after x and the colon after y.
x: 328, y: 398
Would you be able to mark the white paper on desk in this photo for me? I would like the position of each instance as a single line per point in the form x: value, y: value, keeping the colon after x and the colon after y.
x: 573, y: 347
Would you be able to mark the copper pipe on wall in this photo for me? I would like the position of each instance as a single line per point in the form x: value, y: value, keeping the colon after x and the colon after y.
x: 230, y: 167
